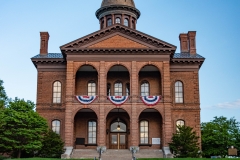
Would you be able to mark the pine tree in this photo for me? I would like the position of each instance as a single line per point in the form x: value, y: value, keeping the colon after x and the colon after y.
x: 185, y: 143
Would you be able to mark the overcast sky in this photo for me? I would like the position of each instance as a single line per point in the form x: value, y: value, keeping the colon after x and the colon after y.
x: 217, y: 23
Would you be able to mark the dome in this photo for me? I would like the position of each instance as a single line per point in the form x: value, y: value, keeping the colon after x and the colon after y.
x: 118, y: 2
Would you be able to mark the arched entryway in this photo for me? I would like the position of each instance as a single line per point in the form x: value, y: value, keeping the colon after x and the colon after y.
x: 118, y: 122
x: 150, y: 129
x: 86, y: 81
x: 85, y: 129
x: 118, y: 81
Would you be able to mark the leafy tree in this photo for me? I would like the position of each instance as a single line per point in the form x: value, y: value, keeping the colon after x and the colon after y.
x: 218, y: 135
x: 21, y: 128
x: 3, y: 96
x: 52, y: 145
x: 185, y: 143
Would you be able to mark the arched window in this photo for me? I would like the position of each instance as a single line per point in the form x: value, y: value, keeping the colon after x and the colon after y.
x: 92, y: 132
x: 118, y: 89
x: 145, y: 89
x: 180, y: 123
x: 57, y: 89
x: 127, y: 89
x: 118, y: 127
x: 126, y: 22
x: 91, y: 88
x: 109, y: 22
x: 117, y: 20
x: 144, y: 132
x: 178, y: 92
x: 56, y: 126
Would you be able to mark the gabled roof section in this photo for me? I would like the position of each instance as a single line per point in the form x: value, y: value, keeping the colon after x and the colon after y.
x: 95, y: 40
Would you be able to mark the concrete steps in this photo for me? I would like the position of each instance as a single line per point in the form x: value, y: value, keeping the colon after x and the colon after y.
x: 114, y: 154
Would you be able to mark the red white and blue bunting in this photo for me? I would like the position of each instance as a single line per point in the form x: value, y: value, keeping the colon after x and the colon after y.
x: 150, y: 100
x: 86, y: 99
x: 118, y: 100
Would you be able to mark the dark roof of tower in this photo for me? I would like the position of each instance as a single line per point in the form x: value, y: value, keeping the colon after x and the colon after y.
x: 118, y: 2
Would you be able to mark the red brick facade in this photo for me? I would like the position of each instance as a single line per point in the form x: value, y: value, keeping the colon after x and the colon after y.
x: 120, y: 54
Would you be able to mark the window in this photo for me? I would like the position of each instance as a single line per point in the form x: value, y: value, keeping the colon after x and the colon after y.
x: 109, y: 22
x: 92, y: 132
x: 91, y: 88
x: 144, y: 132
x: 57, y: 92
x: 127, y: 89
x: 118, y: 127
x: 118, y: 20
x: 126, y: 22
x: 178, y: 92
x: 56, y: 126
x: 108, y: 89
x: 118, y: 89
x: 180, y: 123
x: 145, y: 89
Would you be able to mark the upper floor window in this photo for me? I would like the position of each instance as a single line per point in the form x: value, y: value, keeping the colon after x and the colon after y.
x: 118, y: 89
x: 92, y: 132
x: 178, y: 92
x: 109, y: 22
x: 56, y: 126
x: 144, y: 132
x: 180, y: 123
x: 91, y: 88
x: 127, y: 89
x: 145, y: 89
x: 118, y: 20
x: 57, y: 89
x: 126, y: 23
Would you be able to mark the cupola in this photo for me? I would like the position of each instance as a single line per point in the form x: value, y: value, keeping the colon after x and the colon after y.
x: 118, y: 11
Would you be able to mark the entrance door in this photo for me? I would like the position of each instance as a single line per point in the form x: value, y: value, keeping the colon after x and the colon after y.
x: 118, y: 135
x: 118, y: 141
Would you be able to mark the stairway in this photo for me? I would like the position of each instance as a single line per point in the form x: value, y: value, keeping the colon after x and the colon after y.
x: 114, y: 154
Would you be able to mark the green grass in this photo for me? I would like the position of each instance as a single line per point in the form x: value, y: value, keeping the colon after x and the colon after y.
x: 183, y: 158
x: 47, y: 159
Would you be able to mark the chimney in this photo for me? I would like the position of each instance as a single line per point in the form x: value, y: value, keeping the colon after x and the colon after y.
x: 44, y: 43
x: 183, y: 37
x: 192, y: 42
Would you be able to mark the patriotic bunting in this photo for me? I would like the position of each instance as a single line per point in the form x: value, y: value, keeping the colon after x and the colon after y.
x: 118, y: 100
x: 86, y: 99
x: 150, y: 100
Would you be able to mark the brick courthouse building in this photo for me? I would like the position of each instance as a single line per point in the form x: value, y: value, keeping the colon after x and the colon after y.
x: 118, y: 87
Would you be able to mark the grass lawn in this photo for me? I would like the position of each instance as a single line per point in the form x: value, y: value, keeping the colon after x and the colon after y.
x: 137, y: 159
x: 46, y: 159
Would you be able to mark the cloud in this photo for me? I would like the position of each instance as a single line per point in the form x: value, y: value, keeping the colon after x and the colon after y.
x: 228, y: 105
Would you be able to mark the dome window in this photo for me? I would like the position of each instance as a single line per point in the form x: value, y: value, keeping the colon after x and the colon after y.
x: 126, y: 23
x: 109, y: 22
x: 118, y: 20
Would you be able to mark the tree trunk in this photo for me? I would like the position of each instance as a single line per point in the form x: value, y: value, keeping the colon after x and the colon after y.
x: 19, y: 153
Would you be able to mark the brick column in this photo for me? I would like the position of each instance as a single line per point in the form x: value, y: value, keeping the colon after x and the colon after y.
x: 113, y: 19
x: 122, y: 21
x: 167, y: 104
x: 68, y: 113
x: 102, y: 98
x: 105, y: 22
x: 130, y: 21
x: 134, y: 118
